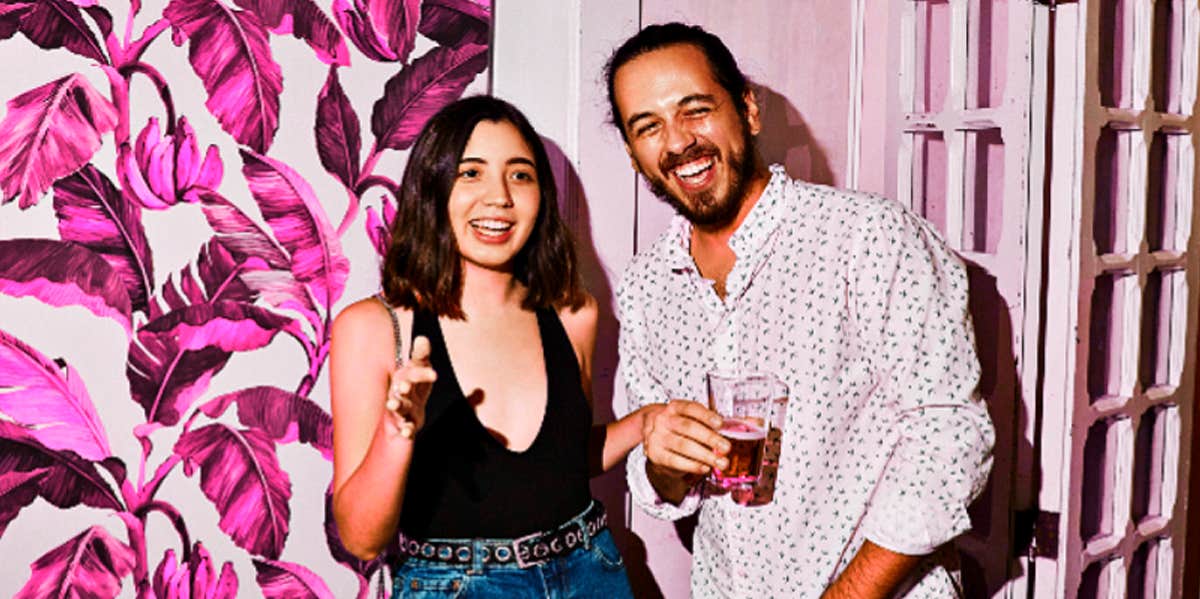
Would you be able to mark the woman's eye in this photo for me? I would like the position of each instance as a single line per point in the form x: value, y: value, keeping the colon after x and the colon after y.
x: 524, y: 176
x: 468, y: 173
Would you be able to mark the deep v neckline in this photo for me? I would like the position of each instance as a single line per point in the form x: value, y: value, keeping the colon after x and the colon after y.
x: 460, y: 395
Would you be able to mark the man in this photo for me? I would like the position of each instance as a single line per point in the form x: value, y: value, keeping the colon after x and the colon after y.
x: 855, y: 302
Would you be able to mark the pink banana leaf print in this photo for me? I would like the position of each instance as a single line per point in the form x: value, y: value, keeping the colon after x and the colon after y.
x: 379, y: 229
x: 67, y: 480
x: 282, y: 415
x: 339, y: 141
x: 268, y: 266
x: 91, y: 564
x: 160, y: 171
x: 60, y: 24
x: 304, y: 20
x: 283, y: 580
x: 17, y: 490
x: 193, y: 577
x: 174, y: 356
x: 50, y: 400
x: 49, y: 132
x: 292, y: 211
x: 455, y: 22
x: 230, y: 52
x: 11, y: 14
x: 63, y: 274
x: 240, y: 474
x: 213, y: 277
x: 91, y: 211
x: 414, y: 94
x: 383, y: 30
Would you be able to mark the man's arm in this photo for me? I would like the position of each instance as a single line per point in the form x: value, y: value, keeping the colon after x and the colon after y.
x: 910, y: 301
x: 874, y: 572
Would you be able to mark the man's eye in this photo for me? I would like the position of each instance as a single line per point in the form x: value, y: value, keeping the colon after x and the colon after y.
x: 645, y: 129
x: 698, y: 111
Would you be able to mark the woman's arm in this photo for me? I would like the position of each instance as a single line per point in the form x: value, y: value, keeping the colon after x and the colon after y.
x: 619, y: 437
x: 372, y: 446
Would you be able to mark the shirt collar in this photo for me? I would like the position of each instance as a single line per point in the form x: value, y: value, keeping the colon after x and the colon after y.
x: 750, y: 237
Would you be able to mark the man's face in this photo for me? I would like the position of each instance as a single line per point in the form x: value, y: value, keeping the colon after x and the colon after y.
x: 684, y: 133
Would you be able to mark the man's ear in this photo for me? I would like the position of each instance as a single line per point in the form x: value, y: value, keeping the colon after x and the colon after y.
x: 752, y: 117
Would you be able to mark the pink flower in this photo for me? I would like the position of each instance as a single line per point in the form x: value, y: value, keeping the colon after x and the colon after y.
x: 160, y: 171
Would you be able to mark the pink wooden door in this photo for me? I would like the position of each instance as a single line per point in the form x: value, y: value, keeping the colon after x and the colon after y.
x: 1120, y: 367
x: 966, y: 155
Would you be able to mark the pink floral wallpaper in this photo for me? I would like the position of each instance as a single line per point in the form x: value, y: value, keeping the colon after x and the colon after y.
x: 271, y: 270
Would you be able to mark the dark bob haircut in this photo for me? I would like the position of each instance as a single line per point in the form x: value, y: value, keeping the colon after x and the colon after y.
x: 655, y: 37
x: 423, y: 267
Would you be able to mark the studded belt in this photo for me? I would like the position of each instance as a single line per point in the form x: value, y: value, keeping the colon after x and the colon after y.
x: 525, y: 551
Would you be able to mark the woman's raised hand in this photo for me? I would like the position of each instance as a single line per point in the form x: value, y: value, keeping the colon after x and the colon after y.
x: 408, y: 390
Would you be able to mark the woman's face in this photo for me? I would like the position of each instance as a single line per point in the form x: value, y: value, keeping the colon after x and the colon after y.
x: 494, y: 201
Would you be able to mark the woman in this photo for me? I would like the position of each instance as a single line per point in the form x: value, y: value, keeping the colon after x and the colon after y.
x: 474, y: 452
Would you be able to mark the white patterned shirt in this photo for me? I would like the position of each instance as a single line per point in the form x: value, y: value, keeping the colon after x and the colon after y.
x: 859, y: 306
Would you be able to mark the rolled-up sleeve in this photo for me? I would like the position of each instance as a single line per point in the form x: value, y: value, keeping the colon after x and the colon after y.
x: 910, y: 302
x: 640, y: 390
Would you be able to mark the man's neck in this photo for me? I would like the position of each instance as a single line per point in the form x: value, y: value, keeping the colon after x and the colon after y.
x: 710, y: 245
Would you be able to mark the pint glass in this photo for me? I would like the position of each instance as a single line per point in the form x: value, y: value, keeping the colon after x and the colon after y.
x: 745, y: 402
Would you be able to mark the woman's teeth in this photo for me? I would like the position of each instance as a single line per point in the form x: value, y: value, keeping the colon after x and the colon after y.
x: 491, y: 226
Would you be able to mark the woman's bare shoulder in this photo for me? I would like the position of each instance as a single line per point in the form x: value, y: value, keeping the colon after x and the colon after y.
x: 580, y: 322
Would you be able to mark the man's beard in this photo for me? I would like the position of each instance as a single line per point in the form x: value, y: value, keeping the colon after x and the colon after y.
x: 706, y: 209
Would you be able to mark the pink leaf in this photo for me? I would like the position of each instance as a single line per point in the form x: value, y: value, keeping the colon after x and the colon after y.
x: 356, y: 22
x: 304, y: 20
x: 17, y: 490
x: 68, y: 480
x: 49, y: 132
x: 60, y: 24
x: 337, y: 132
x: 63, y: 274
x: 412, y: 96
x: 240, y: 474
x: 291, y: 209
x: 11, y: 14
x: 194, y: 579
x: 213, y: 277
x: 174, y: 356
x: 91, y: 564
x: 268, y: 266
x: 282, y: 580
x: 283, y: 415
x: 397, y: 21
x: 455, y: 22
x: 230, y: 52
x: 92, y: 212
x: 55, y: 405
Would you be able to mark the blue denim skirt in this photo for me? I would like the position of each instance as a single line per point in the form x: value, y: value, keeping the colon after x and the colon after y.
x: 594, y: 569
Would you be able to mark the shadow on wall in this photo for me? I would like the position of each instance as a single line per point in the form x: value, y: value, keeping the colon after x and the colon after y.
x: 609, y: 487
x: 989, y: 551
x: 785, y: 139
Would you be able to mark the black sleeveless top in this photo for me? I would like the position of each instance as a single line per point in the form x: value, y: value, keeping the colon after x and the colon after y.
x: 463, y: 483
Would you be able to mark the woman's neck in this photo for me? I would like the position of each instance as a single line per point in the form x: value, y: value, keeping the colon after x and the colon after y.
x: 489, y: 291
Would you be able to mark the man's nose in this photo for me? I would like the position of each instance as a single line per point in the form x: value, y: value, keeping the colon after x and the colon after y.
x: 679, y: 137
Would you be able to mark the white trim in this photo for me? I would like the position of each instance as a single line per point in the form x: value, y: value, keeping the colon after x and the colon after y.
x: 854, y: 116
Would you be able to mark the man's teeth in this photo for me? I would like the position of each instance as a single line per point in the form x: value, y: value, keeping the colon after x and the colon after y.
x: 692, y: 169
x: 491, y: 225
